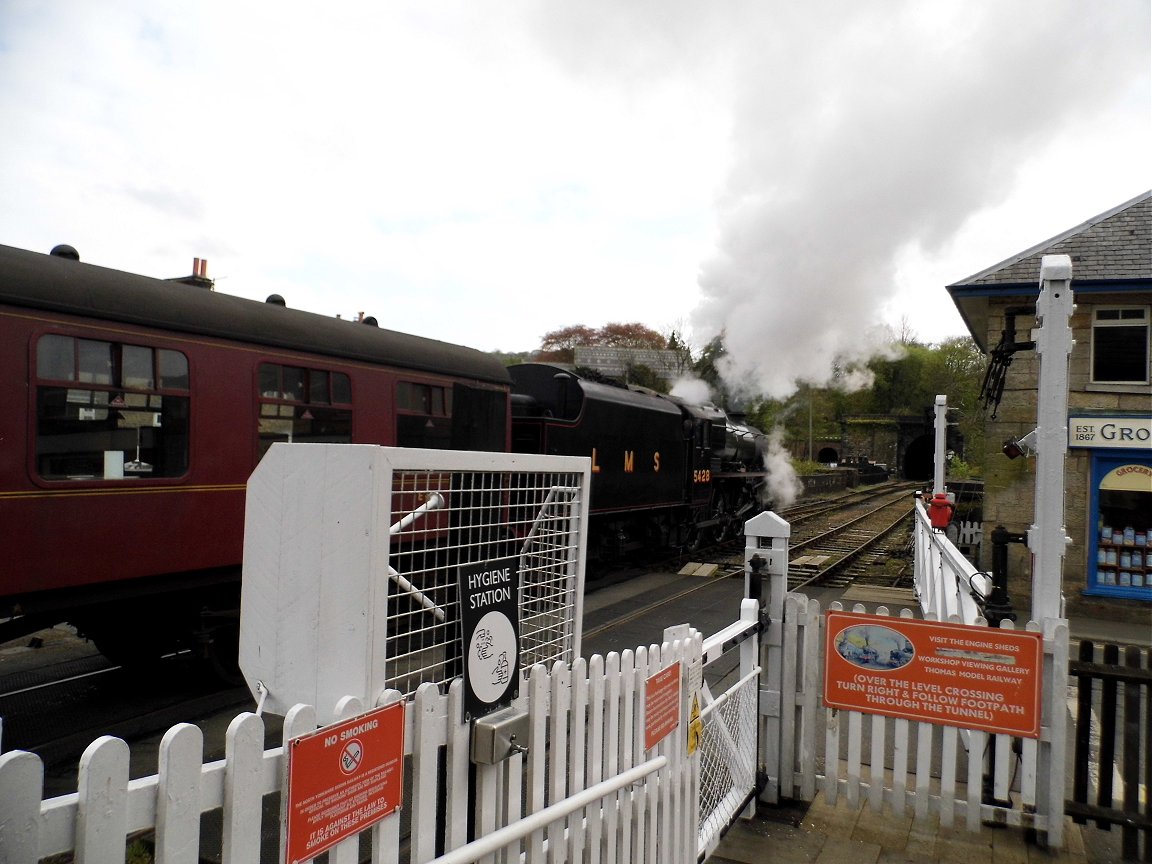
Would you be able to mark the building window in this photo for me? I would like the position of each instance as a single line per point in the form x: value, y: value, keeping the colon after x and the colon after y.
x: 300, y: 405
x: 109, y: 411
x: 1120, y: 345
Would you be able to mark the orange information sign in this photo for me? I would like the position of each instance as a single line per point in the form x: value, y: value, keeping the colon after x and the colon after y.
x: 342, y: 779
x: 661, y: 705
x: 951, y: 674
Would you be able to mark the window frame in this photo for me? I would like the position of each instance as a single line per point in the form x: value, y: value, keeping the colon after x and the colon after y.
x: 1097, y: 325
x: 120, y: 396
x: 281, y: 399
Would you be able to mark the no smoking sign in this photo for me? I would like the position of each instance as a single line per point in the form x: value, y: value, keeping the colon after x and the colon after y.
x: 342, y: 779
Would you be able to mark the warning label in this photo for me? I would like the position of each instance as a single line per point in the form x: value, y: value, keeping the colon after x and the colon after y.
x: 342, y: 779
x: 661, y: 705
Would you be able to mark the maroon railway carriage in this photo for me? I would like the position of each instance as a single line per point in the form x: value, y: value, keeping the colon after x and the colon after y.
x: 134, y: 411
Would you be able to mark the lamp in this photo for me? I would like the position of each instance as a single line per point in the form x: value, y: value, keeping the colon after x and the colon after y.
x: 1017, y: 447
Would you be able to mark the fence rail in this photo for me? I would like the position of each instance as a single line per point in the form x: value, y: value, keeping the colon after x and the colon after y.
x: 945, y: 580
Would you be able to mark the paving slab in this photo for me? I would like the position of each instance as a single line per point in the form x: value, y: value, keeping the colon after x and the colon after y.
x: 841, y: 834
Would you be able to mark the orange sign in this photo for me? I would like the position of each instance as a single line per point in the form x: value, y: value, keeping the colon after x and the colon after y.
x: 342, y: 779
x: 951, y: 674
x: 661, y: 705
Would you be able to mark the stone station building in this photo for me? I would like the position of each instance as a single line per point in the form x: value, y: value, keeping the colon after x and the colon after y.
x: 1108, y: 471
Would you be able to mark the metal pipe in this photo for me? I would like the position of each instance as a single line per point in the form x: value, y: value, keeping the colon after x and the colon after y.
x: 435, y: 502
x: 491, y: 843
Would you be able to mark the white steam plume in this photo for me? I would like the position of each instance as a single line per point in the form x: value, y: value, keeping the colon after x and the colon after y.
x: 783, y: 486
x: 861, y: 135
x: 864, y: 131
x: 692, y: 390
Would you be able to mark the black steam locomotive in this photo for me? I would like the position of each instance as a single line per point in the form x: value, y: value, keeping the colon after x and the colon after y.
x: 665, y: 472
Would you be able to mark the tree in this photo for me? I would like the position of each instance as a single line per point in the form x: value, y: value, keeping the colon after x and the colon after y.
x: 707, y: 368
x: 630, y: 336
x: 560, y: 345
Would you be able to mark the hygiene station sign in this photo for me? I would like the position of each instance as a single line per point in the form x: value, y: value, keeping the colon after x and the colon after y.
x: 490, y: 633
x: 342, y: 779
x: 950, y: 674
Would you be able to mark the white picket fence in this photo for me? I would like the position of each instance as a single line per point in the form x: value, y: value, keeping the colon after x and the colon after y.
x: 915, y: 767
x: 586, y: 790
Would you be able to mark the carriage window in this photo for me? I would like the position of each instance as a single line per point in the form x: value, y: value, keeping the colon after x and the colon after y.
x: 303, y: 405
x: 423, y: 415
x: 56, y: 358
x: 95, y: 361
x: 173, y: 370
x: 100, y: 414
x: 137, y: 367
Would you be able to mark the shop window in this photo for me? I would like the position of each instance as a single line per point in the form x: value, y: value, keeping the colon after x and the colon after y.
x: 109, y: 411
x: 301, y: 405
x: 1123, y: 539
x: 1120, y: 345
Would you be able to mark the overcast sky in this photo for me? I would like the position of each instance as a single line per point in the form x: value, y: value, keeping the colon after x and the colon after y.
x: 796, y: 174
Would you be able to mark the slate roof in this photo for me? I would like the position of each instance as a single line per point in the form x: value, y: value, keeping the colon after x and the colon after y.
x: 1111, y: 251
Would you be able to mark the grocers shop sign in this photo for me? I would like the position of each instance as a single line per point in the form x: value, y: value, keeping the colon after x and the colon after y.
x: 1126, y: 433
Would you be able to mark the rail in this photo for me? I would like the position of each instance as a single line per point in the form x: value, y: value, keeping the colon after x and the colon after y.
x: 503, y: 838
x: 947, y: 583
x: 840, y: 560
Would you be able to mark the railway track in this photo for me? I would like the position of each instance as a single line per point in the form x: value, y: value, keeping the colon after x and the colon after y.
x: 860, y: 538
x: 855, y: 545
x: 57, y: 701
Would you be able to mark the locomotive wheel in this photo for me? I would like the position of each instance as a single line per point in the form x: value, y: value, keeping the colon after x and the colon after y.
x: 699, y: 537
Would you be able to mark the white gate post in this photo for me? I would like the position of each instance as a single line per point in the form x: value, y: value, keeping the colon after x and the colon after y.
x: 1046, y: 537
x: 766, y: 539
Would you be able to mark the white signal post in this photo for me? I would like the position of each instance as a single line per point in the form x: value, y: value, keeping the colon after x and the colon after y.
x: 1047, y: 538
x: 941, y: 456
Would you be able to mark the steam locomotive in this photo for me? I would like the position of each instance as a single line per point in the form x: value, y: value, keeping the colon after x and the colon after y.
x: 666, y: 473
x: 136, y: 409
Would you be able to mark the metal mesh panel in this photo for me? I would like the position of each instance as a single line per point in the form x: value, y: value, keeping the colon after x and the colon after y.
x: 727, y: 757
x: 442, y: 520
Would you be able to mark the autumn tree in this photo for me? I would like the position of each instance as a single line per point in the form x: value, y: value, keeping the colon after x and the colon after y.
x: 630, y: 336
x: 560, y: 345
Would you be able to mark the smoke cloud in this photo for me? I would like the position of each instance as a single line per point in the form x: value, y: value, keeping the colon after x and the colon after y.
x: 783, y: 486
x: 861, y: 135
x: 692, y: 390
x: 866, y: 131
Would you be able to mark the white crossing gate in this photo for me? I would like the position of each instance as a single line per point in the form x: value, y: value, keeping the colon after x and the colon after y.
x: 950, y: 769
x: 352, y: 556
